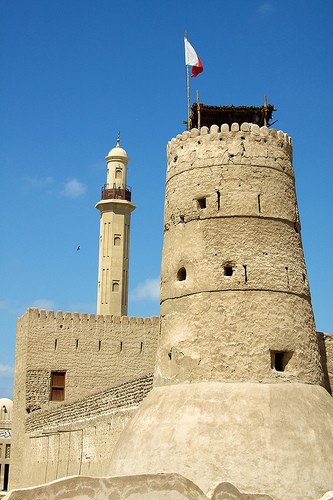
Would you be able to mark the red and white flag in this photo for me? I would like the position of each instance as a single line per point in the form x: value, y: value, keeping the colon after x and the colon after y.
x: 192, y: 59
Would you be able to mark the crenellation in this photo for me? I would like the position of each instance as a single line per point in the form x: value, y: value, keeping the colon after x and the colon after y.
x: 214, y: 129
x: 253, y: 133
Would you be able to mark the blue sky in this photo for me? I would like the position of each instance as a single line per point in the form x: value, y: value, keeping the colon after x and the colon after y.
x: 74, y: 72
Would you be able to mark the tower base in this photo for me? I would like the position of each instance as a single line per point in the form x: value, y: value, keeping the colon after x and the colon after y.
x: 274, y: 439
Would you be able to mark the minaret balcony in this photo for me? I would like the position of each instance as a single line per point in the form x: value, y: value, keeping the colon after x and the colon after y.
x: 116, y: 193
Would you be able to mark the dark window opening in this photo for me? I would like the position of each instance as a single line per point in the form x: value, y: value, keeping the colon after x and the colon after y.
x: 141, y: 347
x: 280, y: 360
x: 99, y: 345
x: 170, y: 355
x: 245, y: 273
x: 55, y: 344
x: 228, y: 270
x: 181, y: 274
x: 58, y: 386
x: 77, y: 344
x: 121, y: 345
x: 218, y: 199
x: 259, y: 204
x: 5, y: 477
x: 201, y: 202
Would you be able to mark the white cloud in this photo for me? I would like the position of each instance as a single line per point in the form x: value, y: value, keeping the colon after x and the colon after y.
x: 74, y: 188
x: 4, y: 304
x: 147, y: 290
x: 6, y: 370
x: 44, y: 304
x: 266, y: 8
x: 38, y: 182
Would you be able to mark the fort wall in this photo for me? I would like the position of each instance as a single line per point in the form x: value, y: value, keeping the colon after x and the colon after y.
x: 94, y: 352
x: 78, y: 437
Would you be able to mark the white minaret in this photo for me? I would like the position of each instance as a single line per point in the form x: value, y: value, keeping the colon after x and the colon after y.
x: 115, y: 208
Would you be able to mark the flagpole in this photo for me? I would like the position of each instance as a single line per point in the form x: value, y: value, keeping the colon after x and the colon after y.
x: 188, y: 98
x: 188, y: 91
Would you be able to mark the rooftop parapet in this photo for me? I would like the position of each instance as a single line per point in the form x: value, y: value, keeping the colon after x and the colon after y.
x: 62, y: 317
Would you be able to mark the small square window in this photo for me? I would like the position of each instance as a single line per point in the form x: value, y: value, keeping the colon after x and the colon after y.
x: 57, y: 386
x: 280, y: 360
x: 201, y: 202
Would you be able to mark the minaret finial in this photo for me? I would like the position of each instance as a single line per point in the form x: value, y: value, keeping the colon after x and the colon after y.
x: 118, y: 139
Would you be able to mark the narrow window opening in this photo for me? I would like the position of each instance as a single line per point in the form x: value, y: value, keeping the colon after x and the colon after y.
x: 121, y: 345
x: 304, y: 277
x: 228, y: 270
x: 57, y: 386
x: 181, y: 274
x: 99, y: 345
x: 245, y: 273
x: 116, y: 241
x: 201, y: 202
x: 115, y: 286
x: 170, y: 355
x: 77, y: 343
x: 141, y: 347
x: 55, y: 344
x: 259, y: 204
x: 280, y: 360
x: 287, y: 275
x: 218, y: 199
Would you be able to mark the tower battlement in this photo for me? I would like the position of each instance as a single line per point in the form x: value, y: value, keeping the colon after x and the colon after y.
x: 237, y: 141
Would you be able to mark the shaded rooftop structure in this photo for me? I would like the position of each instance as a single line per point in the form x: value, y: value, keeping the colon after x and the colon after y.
x: 203, y: 115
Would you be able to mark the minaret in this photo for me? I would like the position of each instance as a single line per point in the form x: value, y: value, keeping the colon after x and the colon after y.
x: 115, y: 208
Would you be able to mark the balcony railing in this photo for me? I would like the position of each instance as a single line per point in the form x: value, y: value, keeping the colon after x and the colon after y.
x: 116, y: 193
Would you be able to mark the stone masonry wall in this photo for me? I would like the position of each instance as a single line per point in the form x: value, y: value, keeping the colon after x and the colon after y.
x: 326, y: 350
x: 124, y: 396
x: 78, y: 437
x: 95, y: 352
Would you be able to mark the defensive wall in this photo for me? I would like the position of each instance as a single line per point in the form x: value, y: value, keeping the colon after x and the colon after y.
x: 77, y: 438
x: 94, y: 352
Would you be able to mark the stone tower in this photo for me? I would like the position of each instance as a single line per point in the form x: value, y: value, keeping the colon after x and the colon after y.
x: 115, y: 208
x: 238, y: 393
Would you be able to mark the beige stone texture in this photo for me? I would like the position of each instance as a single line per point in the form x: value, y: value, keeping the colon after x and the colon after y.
x: 326, y: 349
x: 234, y: 287
x: 96, y: 352
x: 145, y: 487
x: 272, y: 439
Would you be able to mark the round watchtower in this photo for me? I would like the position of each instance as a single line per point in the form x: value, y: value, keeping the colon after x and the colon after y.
x: 236, y: 325
x: 235, y: 300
